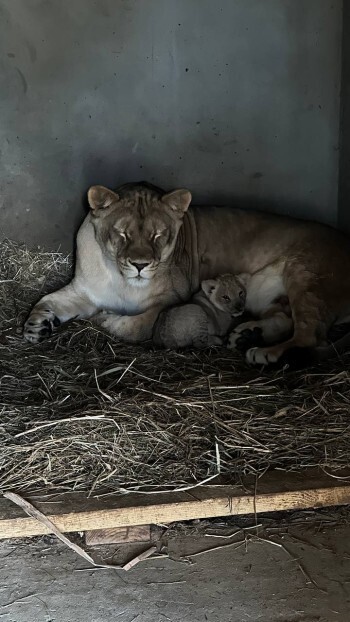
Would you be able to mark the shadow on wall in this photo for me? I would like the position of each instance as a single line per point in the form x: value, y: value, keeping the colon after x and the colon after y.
x: 96, y: 171
x: 238, y: 101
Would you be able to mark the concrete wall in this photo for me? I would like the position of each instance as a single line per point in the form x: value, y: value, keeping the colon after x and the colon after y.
x: 236, y: 99
x: 344, y: 163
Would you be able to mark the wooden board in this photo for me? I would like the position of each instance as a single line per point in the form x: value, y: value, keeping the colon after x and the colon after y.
x: 117, y: 535
x: 275, y: 491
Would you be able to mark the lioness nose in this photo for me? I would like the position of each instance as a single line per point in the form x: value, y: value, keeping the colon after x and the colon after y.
x: 140, y: 266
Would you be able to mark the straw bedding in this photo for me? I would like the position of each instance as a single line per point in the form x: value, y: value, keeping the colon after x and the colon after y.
x: 85, y: 412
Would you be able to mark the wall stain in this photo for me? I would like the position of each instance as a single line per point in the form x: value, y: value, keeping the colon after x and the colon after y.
x: 32, y: 51
x: 23, y: 80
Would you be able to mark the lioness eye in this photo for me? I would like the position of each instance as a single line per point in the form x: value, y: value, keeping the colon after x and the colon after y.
x: 226, y: 298
x: 122, y: 234
x: 157, y: 235
x: 241, y: 294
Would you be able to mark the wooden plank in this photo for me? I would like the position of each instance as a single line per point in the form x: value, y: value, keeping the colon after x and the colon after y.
x: 117, y: 535
x: 276, y: 491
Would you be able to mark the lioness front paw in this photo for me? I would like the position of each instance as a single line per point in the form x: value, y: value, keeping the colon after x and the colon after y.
x: 39, y: 325
x: 129, y: 328
x: 101, y: 318
x: 261, y: 356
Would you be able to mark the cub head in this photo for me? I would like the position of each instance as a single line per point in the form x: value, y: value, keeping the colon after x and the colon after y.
x: 137, y: 226
x: 227, y: 292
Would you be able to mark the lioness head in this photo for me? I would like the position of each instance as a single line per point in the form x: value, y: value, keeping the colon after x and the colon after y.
x: 227, y: 292
x: 137, y: 226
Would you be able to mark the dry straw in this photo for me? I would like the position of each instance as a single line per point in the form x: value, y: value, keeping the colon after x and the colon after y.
x: 85, y: 412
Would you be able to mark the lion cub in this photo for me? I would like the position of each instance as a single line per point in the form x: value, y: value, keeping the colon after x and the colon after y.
x: 207, y: 318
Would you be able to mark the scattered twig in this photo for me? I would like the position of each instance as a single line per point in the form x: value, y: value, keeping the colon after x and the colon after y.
x: 17, y: 600
x: 231, y: 535
x: 61, y: 421
x: 139, y: 558
x: 300, y: 566
x: 236, y: 545
x: 34, y: 513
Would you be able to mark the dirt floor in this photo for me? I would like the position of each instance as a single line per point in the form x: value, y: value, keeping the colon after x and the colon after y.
x: 292, y: 568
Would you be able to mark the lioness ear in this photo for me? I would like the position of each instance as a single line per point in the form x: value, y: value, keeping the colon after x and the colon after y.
x: 208, y: 286
x: 100, y: 197
x: 178, y: 200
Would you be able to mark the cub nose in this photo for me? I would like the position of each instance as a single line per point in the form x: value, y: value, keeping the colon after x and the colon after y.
x: 139, y: 266
x: 239, y: 307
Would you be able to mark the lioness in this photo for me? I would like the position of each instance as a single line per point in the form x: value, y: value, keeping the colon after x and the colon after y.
x: 141, y: 250
x: 207, y: 318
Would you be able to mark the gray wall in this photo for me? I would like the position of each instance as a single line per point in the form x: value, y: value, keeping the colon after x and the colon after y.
x: 236, y: 99
x: 344, y: 164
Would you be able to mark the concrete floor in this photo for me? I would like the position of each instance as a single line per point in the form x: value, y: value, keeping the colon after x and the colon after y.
x: 305, y: 580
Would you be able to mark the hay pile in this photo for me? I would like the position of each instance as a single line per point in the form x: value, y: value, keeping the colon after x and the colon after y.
x: 84, y: 412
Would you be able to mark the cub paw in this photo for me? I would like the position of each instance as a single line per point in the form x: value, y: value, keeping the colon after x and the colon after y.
x: 261, y: 356
x: 39, y: 325
x: 244, y: 339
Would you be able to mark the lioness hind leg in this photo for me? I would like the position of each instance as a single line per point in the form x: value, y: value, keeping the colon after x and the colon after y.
x: 267, y: 330
x: 304, y: 337
x: 272, y: 354
x: 311, y: 318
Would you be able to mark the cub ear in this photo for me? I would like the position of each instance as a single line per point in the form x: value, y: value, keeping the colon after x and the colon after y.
x: 243, y: 278
x: 208, y: 286
x: 100, y: 198
x: 178, y: 200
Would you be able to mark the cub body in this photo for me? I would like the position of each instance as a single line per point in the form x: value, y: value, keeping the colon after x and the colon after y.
x: 207, y: 318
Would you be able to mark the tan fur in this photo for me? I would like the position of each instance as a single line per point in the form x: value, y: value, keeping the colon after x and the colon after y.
x: 307, y: 262
x: 267, y: 302
x: 207, y: 318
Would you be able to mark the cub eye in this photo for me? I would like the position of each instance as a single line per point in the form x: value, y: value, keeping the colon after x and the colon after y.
x: 122, y: 235
x: 157, y: 235
x: 241, y: 294
x: 226, y: 298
